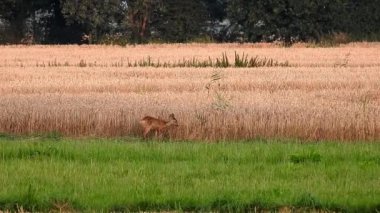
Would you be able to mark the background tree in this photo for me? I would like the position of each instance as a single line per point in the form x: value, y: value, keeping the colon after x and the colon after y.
x: 217, y: 25
x: 286, y: 20
x: 362, y: 20
x: 137, y: 21
x: 181, y: 21
x: 17, y: 14
x: 95, y: 18
x: 59, y: 32
x: 141, y: 14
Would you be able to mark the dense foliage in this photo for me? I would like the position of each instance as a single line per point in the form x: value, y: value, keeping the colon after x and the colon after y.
x: 140, y: 21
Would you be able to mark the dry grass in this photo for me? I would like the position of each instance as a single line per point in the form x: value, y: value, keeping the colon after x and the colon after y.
x: 331, y: 93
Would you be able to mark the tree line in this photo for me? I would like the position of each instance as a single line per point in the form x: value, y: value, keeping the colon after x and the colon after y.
x: 143, y: 21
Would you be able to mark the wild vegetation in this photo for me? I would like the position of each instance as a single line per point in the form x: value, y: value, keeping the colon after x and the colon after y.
x: 50, y: 173
x: 320, y: 94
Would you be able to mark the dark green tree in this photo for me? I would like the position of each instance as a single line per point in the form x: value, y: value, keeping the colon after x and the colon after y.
x: 216, y: 21
x: 216, y: 9
x: 362, y: 20
x: 59, y: 32
x: 142, y: 14
x: 95, y: 18
x: 17, y: 14
x: 286, y: 20
x: 138, y: 21
x: 181, y: 21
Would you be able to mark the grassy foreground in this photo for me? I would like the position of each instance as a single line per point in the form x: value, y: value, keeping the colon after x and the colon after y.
x: 129, y: 175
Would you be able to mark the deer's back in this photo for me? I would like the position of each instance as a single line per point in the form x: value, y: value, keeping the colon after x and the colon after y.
x: 152, y: 122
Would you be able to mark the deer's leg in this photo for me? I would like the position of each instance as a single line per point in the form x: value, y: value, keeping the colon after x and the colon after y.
x: 160, y: 134
x: 146, y: 131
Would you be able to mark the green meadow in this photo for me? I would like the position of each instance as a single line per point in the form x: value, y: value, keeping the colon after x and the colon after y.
x: 53, y: 173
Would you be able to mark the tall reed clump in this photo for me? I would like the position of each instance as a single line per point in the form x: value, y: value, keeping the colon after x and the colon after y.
x: 222, y: 62
x: 244, y: 61
x: 219, y: 62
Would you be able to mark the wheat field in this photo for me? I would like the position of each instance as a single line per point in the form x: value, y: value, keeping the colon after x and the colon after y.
x: 324, y: 93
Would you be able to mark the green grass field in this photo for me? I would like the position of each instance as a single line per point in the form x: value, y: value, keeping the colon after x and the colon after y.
x: 52, y: 173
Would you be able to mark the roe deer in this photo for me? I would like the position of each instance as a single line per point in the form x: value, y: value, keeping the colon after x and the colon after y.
x: 149, y: 123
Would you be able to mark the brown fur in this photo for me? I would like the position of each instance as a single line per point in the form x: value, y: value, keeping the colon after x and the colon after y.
x: 149, y: 123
